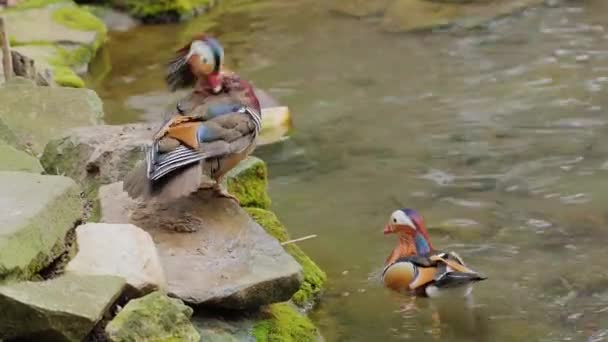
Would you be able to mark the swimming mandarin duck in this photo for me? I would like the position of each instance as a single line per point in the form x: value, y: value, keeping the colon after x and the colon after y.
x: 415, y: 266
x: 212, y: 130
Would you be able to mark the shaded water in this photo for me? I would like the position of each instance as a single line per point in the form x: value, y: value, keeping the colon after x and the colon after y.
x: 498, y: 137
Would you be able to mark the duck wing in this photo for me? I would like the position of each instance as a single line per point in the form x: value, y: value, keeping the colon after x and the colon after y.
x: 172, y: 166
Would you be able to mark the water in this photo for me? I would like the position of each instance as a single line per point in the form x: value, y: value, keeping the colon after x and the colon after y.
x: 499, y: 137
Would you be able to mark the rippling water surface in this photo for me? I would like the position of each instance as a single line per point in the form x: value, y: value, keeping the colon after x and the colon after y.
x: 498, y: 137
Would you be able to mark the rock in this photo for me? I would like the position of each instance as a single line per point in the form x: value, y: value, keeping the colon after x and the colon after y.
x: 228, y: 262
x: 39, y: 114
x: 7, y: 135
x: 101, y: 154
x: 49, y: 24
x: 285, y: 323
x: 248, y: 182
x: 26, y: 67
x: 122, y: 250
x: 66, y: 308
x: 314, y: 277
x: 213, y: 328
x: 114, y: 19
x: 359, y: 8
x: 36, y: 213
x: 276, y: 322
x: 154, y: 317
x: 62, y: 35
x: 12, y: 159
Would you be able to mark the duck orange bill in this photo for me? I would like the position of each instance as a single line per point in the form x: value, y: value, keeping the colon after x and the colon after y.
x: 388, y: 229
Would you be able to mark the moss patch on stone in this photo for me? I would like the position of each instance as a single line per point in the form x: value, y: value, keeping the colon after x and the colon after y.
x: 285, y: 324
x: 314, y: 277
x: 80, y: 19
x: 154, y: 317
x: 248, y: 182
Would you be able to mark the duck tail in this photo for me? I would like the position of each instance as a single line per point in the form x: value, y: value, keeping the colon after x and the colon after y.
x: 179, y: 183
x: 136, y: 183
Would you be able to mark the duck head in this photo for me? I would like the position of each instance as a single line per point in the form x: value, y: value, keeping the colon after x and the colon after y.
x: 200, y: 62
x: 409, y: 225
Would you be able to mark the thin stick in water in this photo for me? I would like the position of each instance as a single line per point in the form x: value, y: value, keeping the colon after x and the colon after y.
x: 299, y: 239
x: 7, y: 59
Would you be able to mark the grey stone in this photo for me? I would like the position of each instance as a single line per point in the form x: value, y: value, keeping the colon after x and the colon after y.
x: 122, y: 250
x: 38, y: 114
x: 36, y: 212
x: 103, y: 154
x: 228, y: 261
x: 62, y: 309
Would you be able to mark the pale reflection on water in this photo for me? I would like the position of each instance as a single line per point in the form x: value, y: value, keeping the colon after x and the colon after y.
x: 498, y: 137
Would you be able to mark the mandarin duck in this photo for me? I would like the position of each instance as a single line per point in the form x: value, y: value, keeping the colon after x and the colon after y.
x: 415, y: 266
x: 214, y: 128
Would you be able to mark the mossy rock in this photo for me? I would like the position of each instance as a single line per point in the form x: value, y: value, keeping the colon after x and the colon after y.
x: 35, y: 218
x: 157, y: 11
x: 11, y: 159
x: 248, y: 182
x: 154, y: 317
x: 58, y: 35
x: 285, y: 324
x: 314, y: 277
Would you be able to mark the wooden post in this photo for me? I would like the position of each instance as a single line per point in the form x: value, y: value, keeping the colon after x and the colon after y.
x: 7, y: 59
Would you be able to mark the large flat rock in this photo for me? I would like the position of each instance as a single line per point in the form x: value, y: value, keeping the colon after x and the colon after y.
x: 36, y: 212
x: 38, y: 114
x: 122, y: 250
x: 62, y: 309
x: 229, y: 261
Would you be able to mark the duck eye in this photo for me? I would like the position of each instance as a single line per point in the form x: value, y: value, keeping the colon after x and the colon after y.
x: 394, y: 220
x: 205, y: 60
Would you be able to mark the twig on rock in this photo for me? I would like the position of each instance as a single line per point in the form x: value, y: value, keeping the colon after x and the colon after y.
x: 7, y: 59
x: 299, y: 239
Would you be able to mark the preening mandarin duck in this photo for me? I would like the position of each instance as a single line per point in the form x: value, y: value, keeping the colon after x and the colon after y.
x: 414, y: 265
x: 213, y: 129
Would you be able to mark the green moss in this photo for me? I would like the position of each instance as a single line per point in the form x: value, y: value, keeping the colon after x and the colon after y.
x: 80, y: 19
x: 154, y: 317
x: 66, y: 59
x: 66, y: 77
x: 145, y: 9
x: 248, y: 182
x: 285, y: 324
x: 314, y: 277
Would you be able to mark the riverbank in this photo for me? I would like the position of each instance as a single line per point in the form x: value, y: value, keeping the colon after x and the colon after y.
x: 71, y: 226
